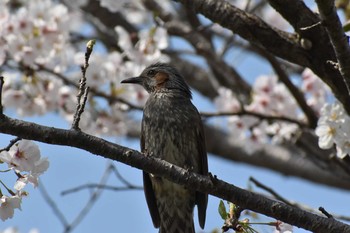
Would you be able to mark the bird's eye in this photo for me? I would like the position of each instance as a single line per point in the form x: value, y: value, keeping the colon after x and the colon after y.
x: 151, y: 72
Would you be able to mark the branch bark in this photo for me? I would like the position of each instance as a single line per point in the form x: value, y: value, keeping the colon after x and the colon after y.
x: 210, y: 185
x: 286, y: 159
x: 336, y: 34
x: 289, y: 160
x: 251, y: 28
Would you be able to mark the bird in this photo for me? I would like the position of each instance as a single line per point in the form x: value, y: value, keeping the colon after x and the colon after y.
x: 171, y: 130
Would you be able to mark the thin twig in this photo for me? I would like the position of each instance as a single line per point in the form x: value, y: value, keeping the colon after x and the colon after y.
x: 99, y: 186
x: 53, y: 205
x: 121, y: 178
x: 7, y: 188
x: 311, y: 26
x: 270, y: 190
x: 255, y: 114
x: 83, y: 90
x: 12, y: 142
x: 323, y: 211
x: 111, y: 167
x: 292, y: 203
x: 92, y: 200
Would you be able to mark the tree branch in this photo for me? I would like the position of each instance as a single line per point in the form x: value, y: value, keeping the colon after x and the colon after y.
x: 269, y: 190
x: 336, y: 34
x: 12, y: 142
x: 83, y: 89
x: 99, y: 186
x: 210, y: 185
x: 57, y: 212
x: 301, y: 206
x: 104, y: 21
x: 288, y: 158
x: 257, y: 115
x: 251, y: 28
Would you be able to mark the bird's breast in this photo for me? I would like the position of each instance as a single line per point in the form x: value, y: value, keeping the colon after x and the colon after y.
x: 169, y: 132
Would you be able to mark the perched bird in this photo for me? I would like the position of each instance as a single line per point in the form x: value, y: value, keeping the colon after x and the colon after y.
x: 172, y: 130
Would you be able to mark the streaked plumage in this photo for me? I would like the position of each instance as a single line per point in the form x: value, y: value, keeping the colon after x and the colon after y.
x: 172, y: 130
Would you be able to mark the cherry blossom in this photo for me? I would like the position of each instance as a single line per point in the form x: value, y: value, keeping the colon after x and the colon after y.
x: 326, y: 134
x: 22, y: 156
x: 8, y: 206
x: 270, y: 98
x: 315, y: 90
x: 147, y: 49
x: 283, y: 228
x: 33, y: 176
x: 25, y: 156
x: 37, y: 33
x: 333, y: 128
x: 226, y: 101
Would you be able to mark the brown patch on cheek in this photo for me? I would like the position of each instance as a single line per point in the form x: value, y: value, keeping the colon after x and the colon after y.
x: 161, y: 78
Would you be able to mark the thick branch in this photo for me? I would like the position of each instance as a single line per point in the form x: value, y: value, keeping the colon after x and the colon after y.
x: 251, y: 28
x: 213, y: 186
x: 288, y: 160
x: 105, y: 21
x: 339, y: 40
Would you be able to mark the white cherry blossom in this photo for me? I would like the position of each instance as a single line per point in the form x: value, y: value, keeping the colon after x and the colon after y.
x: 8, y: 204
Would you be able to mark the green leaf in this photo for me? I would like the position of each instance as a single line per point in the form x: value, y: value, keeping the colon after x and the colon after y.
x: 222, y: 210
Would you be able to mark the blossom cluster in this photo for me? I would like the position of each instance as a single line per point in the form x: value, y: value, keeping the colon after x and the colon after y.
x: 41, y: 66
x: 270, y: 98
x: 35, y: 33
x: 316, y: 92
x: 333, y: 128
x: 25, y: 160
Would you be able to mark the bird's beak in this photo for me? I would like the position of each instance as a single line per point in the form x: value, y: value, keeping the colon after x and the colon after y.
x: 137, y: 80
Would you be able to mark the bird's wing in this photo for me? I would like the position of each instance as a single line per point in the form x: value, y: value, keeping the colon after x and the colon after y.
x: 201, y: 198
x: 148, y: 188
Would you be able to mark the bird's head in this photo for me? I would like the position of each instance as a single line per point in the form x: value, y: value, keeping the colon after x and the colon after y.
x: 161, y: 77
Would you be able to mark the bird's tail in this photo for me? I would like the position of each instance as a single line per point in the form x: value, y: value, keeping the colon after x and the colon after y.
x: 176, y: 219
